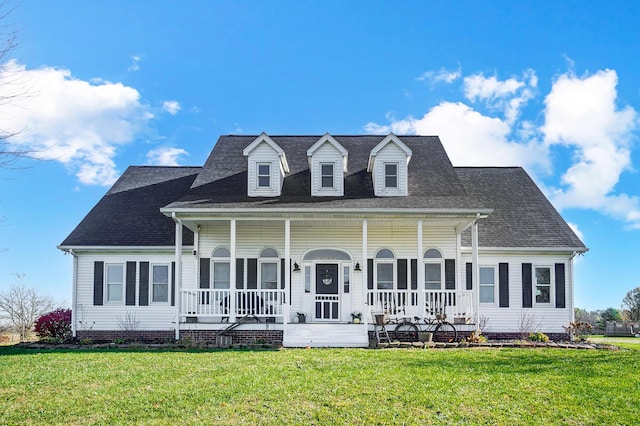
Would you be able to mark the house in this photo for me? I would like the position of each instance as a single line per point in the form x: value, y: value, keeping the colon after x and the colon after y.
x: 326, y: 226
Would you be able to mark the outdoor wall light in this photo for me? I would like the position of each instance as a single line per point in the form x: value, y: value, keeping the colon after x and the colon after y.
x: 296, y: 267
x: 357, y: 268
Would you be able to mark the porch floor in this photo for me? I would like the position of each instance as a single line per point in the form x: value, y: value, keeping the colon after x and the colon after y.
x: 325, y: 335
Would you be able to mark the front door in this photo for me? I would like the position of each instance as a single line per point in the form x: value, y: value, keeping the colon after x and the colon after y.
x: 327, y: 303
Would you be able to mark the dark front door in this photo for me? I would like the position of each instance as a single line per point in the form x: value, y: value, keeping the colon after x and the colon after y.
x: 327, y: 292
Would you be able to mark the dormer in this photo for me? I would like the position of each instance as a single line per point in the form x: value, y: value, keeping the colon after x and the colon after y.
x: 388, y: 164
x: 266, y: 168
x: 328, y: 164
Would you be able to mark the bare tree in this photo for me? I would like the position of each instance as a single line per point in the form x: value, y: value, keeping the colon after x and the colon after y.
x: 631, y: 305
x: 22, y: 306
x: 11, y: 88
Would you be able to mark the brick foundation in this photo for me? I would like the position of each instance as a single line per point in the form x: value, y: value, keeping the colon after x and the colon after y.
x: 137, y: 335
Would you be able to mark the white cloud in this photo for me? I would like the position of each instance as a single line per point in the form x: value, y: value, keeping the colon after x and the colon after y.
x: 135, y: 63
x: 78, y: 123
x: 165, y: 156
x: 441, y: 76
x: 580, y: 114
x: 172, y: 107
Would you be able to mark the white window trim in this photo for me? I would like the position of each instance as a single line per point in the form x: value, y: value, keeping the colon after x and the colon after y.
x: 106, y: 284
x: 258, y: 176
x: 397, y: 175
x: 433, y: 261
x: 552, y: 285
x: 495, y: 285
x: 333, y: 176
x: 151, y: 284
x: 274, y: 260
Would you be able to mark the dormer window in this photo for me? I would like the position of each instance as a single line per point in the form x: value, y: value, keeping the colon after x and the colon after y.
x: 328, y: 165
x: 327, y: 175
x: 266, y: 167
x: 391, y: 175
x: 264, y: 175
x: 389, y: 167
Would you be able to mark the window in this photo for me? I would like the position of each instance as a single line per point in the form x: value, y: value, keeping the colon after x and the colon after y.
x: 384, y: 270
x: 264, y: 175
x: 543, y: 284
x: 347, y: 278
x: 268, y: 269
x: 326, y: 175
x: 307, y: 279
x: 433, y: 269
x: 390, y: 175
x: 487, y: 284
x: 221, y: 268
x: 115, y: 282
x: 160, y: 284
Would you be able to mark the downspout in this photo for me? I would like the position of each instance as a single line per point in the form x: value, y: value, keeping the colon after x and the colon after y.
x: 74, y: 290
x: 476, y: 271
x: 178, y: 277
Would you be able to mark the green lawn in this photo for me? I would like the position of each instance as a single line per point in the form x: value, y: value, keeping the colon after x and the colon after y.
x: 330, y: 386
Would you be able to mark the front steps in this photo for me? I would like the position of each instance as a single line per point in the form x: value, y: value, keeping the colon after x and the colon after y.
x: 319, y: 335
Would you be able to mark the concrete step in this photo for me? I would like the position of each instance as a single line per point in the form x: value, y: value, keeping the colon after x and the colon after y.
x: 325, y: 335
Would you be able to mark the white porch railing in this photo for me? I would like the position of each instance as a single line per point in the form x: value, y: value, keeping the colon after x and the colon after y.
x: 406, y: 303
x: 205, y: 302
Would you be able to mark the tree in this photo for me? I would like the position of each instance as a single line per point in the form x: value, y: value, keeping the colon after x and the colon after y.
x: 631, y: 305
x: 11, y: 88
x: 22, y: 306
x: 609, y: 314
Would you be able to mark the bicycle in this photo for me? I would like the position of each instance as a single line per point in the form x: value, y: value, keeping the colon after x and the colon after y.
x: 443, y: 330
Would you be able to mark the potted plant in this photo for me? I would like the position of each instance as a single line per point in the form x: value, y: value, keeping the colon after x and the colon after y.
x: 302, y: 317
x: 356, y: 317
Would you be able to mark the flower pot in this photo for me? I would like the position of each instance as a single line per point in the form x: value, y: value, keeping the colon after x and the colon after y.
x: 425, y: 336
x: 356, y: 320
x: 302, y: 318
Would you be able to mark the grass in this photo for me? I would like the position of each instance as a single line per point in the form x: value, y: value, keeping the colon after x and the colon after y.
x: 320, y: 386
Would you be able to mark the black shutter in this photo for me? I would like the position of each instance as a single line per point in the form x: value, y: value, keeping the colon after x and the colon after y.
x: 414, y: 274
x: 252, y: 273
x: 527, y: 291
x: 143, y: 297
x: 560, y: 286
x: 402, y: 274
x: 449, y: 274
x: 98, y: 283
x: 282, y: 276
x: 173, y: 283
x: 469, y: 276
x: 239, y: 274
x: 205, y: 272
x: 503, y: 284
x: 130, y: 284
x: 370, y: 274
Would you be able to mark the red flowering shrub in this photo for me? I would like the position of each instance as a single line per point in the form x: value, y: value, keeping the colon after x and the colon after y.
x: 54, y: 325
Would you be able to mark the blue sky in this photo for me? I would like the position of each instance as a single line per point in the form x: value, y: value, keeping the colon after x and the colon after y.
x: 551, y: 86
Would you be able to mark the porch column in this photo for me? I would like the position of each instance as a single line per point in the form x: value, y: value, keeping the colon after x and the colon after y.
x: 287, y: 265
x: 178, y: 277
x: 364, y: 274
x: 420, y: 272
x: 476, y: 272
x: 232, y: 270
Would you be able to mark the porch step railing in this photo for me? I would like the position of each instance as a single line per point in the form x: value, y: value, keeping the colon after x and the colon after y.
x: 204, y: 302
x: 406, y: 303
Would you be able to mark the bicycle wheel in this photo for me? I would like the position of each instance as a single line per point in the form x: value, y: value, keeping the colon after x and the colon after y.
x: 406, y: 332
x: 445, y: 332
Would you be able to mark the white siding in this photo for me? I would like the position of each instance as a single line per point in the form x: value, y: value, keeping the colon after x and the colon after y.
x: 391, y: 153
x: 327, y: 153
x: 550, y: 318
x: 263, y: 153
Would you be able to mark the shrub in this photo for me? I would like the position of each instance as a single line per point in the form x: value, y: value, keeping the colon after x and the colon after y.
x: 538, y: 337
x: 54, y: 325
x: 579, y: 331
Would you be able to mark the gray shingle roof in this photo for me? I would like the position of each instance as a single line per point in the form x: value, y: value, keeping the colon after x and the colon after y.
x: 433, y: 182
x: 129, y: 213
x: 522, y: 216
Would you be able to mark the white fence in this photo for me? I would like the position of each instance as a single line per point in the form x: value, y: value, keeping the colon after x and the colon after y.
x: 410, y: 303
x: 205, y: 302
